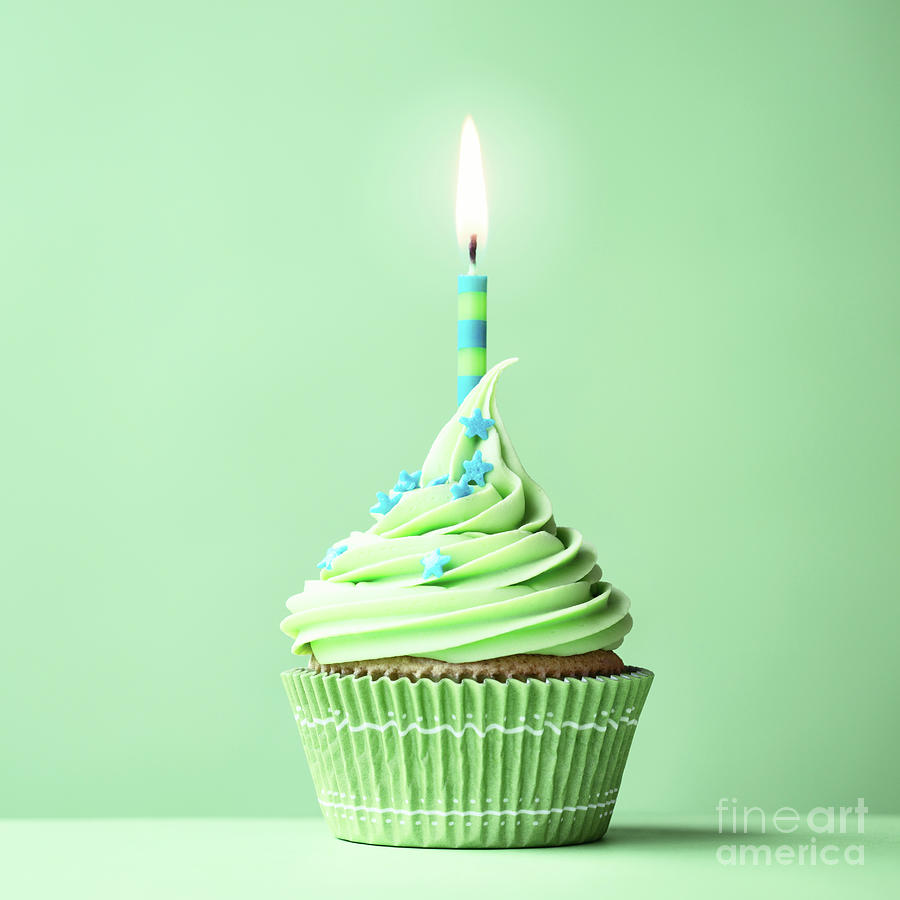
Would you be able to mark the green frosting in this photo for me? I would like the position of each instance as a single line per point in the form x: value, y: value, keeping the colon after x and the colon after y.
x: 515, y: 583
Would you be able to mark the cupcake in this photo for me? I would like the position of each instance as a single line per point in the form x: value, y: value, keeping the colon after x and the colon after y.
x: 463, y: 688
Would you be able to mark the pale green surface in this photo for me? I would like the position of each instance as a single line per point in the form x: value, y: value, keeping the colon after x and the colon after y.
x: 290, y: 858
x: 228, y: 276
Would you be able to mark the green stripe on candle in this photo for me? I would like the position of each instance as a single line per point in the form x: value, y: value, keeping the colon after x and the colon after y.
x: 471, y: 361
x: 472, y: 306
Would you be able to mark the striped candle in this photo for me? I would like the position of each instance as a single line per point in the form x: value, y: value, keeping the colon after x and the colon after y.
x: 471, y: 333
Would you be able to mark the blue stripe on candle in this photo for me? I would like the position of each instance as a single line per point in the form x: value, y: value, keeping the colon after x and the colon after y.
x: 464, y: 384
x: 466, y: 284
x: 471, y: 333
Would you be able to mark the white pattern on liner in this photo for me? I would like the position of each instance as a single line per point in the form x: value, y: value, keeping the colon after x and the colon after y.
x: 473, y: 813
x: 537, y: 732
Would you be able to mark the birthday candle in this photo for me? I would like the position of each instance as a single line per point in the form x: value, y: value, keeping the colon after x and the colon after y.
x: 471, y: 333
x: 471, y: 289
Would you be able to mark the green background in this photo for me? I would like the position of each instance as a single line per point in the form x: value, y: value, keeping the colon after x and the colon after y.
x: 227, y: 270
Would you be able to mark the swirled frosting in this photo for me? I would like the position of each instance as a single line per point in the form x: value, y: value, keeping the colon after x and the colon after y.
x: 511, y: 580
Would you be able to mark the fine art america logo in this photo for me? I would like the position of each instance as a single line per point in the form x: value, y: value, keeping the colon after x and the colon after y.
x: 757, y: 836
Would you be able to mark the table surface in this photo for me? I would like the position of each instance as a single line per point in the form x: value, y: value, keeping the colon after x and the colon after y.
x: 274, y: 858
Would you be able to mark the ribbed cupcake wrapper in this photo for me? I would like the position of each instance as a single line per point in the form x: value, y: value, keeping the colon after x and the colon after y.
x: 467, y: 764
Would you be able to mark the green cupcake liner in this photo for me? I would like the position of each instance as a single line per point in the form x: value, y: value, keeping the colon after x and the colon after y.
x: 467, y: 764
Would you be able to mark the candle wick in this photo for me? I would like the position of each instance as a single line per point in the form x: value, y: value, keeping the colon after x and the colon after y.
x: 473, y: 249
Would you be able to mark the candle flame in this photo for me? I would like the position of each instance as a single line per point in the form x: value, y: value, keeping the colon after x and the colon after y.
x: 471, y: 197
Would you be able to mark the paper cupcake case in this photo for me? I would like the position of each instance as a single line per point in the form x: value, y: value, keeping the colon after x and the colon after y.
x: 467, y: 764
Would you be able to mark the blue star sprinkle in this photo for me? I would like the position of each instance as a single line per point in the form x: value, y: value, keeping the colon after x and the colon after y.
x: 434, y: 563
x: 477, y: 425
x: 385, y: 504
x: 476, y: 469
x: 332, y: 554
x: 460, y: 489
x: 407, y: 482
x: 442, y: 480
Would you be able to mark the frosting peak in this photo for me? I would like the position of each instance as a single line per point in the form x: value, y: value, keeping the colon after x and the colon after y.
x: 469, y: 566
